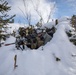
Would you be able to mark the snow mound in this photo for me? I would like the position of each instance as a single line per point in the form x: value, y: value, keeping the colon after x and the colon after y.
x: 48, y: 25
x: 65, y: 18
x: 41, y: 62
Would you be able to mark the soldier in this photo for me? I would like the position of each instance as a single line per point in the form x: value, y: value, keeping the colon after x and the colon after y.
x: 22, y: 42
x: 19, y: 42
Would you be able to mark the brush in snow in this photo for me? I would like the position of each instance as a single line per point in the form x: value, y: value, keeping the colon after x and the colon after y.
x: 56, y: 58
x: 15, y: 61
x: 73, y: 55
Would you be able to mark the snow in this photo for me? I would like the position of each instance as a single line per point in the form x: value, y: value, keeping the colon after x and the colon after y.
x: 14, y: 27
x: 41, y: 62
x: 73, y: 37
x: 49, y: 25
x: 64, y: 18
x: 10, y: 40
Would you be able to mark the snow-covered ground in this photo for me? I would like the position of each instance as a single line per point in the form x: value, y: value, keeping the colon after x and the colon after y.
x: 41, y: 62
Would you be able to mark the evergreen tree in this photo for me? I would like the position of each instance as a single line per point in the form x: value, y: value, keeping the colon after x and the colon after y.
x: 4, y: 17
x: 73, y: 21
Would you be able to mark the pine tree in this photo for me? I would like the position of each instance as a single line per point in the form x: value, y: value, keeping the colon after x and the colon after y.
x: 73, y: 21
x: 4, y: 17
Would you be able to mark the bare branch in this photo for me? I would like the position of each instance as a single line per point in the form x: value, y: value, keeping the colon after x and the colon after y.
x: 36, y: 8
x: 22, y: 13
x: 50, y: 13
x: 26, y: 13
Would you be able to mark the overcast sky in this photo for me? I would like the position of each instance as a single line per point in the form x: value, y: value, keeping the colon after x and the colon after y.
x: 63, y: 8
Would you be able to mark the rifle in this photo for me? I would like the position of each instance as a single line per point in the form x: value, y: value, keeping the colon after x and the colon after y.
x: 9, y: 44
x: 14, y: 43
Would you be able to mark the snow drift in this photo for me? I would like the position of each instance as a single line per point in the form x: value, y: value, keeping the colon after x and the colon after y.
x: 41, y: 62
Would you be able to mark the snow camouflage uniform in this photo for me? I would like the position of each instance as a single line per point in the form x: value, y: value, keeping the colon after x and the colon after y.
x: 17, y: 45
x: 20, y: 43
